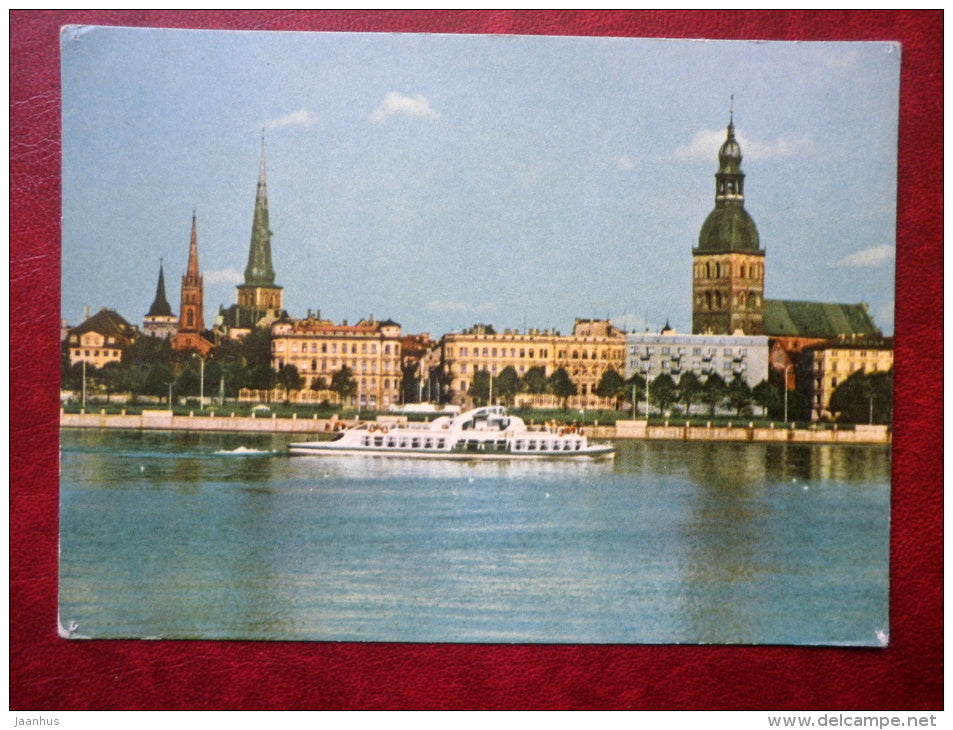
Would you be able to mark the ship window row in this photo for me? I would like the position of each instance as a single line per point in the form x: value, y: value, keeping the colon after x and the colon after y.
x: 403, y: 442
x: 541, y: 445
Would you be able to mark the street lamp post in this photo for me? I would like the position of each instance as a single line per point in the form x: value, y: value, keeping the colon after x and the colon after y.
x: 648, y: 400
x: 201, y: 381
x: 84, y: 384
x: 785, y: 385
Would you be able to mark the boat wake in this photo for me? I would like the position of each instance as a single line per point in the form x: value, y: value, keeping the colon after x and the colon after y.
x: 244, y: 451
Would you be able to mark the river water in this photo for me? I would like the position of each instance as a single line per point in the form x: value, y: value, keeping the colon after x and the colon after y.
x: 165, y: 536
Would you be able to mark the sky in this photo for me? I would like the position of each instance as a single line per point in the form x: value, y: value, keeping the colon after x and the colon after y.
x: 447, y: 180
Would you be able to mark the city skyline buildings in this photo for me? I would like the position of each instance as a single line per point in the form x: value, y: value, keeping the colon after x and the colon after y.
x: 446, y: 180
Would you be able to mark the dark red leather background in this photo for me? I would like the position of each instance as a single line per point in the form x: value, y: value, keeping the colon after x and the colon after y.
x: 47, y: 673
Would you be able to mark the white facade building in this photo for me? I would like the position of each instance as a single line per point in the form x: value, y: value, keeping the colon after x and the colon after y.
x: 650, y: 355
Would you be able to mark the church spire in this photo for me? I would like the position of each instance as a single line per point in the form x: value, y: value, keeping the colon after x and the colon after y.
x: 192, y: 318
x: 192, y: 271
x: 259, y: 271
x: 160, y: 305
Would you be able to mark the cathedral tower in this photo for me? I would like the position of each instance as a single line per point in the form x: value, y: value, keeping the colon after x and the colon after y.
x: 259, y: 293
x: 192, y: 308
x: 728, y: 265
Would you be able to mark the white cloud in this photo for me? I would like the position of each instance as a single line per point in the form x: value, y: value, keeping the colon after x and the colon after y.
x: 706, y: 143
x: 223, y: 276
x: 625, y: 163
x: 868, y: 258
x: 300, y: 118
x: 395, y: 104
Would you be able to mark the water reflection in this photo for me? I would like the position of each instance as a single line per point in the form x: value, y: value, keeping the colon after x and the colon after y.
x: 733, y: 464
x: 163, y: 534
x: 388, y: 467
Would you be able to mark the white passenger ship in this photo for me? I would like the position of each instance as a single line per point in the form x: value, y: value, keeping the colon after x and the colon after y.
x: 482, y: 433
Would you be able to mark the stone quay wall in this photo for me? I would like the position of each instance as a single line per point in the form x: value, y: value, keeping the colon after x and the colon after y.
x: 167, y: 421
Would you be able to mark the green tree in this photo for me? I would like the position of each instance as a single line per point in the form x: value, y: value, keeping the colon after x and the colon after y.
x: 635, y: 387
x: 288, y: 378
x: 256, y: 356
x: 689, y: 389
x: 535, y: 380
x: 227, y: 365
x: 612, y: 385
x: 479, y: 388
x: 768, y: 396
x: 506, y: 384
x: 713, y: 392
x: 738, y: 394
x: 319, y: 383
x: 863, y: 398
x: 562, y: 385
x: 187, y: 382
x: 72, y: 377
x: 663, y: 391
x: 344, y: 384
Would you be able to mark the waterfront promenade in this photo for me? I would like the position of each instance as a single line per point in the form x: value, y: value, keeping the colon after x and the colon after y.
x: 641, y: 430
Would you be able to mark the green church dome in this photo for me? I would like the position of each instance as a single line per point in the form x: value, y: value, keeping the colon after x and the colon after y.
x: 729, y: 228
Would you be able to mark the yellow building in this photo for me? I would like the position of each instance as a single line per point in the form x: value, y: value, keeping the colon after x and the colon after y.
x: 831, y: 363
x: 319, y: 348
x: 592, y: 348
x: 100, y: 339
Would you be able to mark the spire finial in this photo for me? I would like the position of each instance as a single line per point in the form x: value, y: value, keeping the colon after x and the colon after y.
x: 261, y: 165
x: 731, y: 109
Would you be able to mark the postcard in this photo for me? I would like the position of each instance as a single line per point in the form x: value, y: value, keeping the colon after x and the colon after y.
x: 472, y: 338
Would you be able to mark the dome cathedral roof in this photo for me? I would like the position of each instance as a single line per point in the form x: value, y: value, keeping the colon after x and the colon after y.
x: 729, y: 227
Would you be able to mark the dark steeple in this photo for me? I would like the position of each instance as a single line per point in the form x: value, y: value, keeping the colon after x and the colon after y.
x: 259, y: 271
x: 160, y: 305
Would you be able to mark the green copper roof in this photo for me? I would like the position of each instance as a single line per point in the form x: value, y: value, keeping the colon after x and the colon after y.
x: 259, y: 271
x: 784, y: 318
x: 729, y: 228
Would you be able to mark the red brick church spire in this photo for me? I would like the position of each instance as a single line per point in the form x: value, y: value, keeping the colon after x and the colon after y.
x: 192, y: 307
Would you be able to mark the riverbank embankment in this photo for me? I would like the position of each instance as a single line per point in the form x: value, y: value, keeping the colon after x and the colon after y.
x: 642, y: 430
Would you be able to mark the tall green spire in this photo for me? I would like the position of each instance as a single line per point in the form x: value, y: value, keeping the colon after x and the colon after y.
x: 259, y: 271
